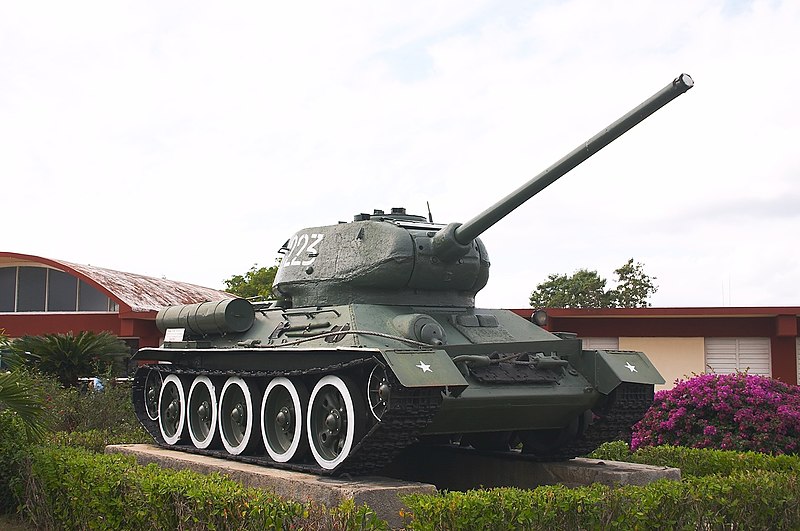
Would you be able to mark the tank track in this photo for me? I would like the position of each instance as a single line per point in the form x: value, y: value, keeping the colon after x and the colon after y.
x: 628, y: 404
x: 409, y: 413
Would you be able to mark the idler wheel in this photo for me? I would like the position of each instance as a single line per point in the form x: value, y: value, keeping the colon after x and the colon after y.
x: 237, y: 423
x: 172, y: 410
x: 335, y: 420
x: 282, y: 411
x: 378, y: 391
x: 152, y: 392
x: 202, y: 412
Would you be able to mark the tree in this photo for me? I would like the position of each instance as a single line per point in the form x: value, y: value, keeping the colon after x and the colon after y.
x: 634, y: 286
x: 586, y: 289
x: 69, y: 357
x: 255, y: 283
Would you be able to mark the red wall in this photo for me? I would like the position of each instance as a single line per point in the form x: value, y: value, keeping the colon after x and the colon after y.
x: 29, y: 324
x: 21, y: 324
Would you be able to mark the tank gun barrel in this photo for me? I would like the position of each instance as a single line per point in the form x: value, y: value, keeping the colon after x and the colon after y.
x: 465, y: 233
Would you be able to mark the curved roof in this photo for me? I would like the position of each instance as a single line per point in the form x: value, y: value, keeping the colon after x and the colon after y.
x: 138, y: 292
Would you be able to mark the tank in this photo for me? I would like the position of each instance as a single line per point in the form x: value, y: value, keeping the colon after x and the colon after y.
x: 375, y: 344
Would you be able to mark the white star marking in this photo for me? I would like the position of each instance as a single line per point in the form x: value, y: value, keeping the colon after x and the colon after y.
x: 630, y: 367
x: 424, y: 366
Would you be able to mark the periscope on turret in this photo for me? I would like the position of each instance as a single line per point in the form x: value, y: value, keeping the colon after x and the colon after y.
x: 375, y: 344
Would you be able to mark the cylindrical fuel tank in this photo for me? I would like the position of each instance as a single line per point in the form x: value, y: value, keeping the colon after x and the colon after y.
x: 217, y: 317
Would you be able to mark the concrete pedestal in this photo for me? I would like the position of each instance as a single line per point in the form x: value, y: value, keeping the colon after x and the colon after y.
x: 381, y: 494
x: 464, y: 469
x: 417, y: 470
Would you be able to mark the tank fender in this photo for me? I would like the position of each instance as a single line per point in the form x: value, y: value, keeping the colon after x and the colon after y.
x: 624, y: 366
x: 425, y: 368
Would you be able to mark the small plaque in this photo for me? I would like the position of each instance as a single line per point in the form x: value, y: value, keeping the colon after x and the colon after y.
x: 174, y: 334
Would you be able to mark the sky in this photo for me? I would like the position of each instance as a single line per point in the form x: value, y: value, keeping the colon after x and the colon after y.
x: 189, y: 140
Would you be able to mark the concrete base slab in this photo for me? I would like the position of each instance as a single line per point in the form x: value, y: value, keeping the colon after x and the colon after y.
x: 451, y: 468
x: 417, y: 470
x: 381, y: 494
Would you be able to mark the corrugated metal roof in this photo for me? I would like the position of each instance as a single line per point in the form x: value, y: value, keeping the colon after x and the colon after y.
x: 141, y: 293
x: 144, y: 293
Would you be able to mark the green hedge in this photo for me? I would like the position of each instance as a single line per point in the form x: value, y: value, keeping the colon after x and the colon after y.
x: 75, y: 488
x: 697, y: 461
x: 751, y: 500
x: 72, y: 488
x: 720, y: 490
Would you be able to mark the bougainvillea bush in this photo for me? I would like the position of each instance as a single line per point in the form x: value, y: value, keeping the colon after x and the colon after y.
x: 725, y: 411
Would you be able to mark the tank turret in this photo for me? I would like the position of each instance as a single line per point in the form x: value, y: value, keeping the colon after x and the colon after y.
x: 398, y: 258
x: 377, y: 346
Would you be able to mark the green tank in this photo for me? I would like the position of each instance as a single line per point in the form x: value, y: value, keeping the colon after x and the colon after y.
x: 376, y: 345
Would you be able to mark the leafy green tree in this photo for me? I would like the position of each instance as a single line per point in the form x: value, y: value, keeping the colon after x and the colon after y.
x: 634, y: 286
x: 583, y: 289
x: 69, y: 357
x: 18, y: 393
x: 255, y: 283
x: 587, y: 289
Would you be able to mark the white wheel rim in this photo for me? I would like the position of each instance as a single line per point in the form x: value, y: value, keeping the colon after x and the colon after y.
x: 275, y: 386
x: 232, y: 386
x: 169, y: 381
x: 202, y: 384
x: 336, y: 382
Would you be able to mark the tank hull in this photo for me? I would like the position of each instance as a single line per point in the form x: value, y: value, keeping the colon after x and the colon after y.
x: 362, y: 376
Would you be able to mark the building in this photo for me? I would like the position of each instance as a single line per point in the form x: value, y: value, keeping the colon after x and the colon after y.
x: 685, y: 341
x: 47, y: 296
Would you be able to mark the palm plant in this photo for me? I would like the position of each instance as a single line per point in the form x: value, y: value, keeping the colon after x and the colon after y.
x: 18, y: 393
x: 68, y: 356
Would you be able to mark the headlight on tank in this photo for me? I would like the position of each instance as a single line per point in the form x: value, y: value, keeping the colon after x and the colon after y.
x: 539, y: 317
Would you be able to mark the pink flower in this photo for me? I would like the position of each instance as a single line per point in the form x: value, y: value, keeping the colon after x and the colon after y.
x: 734, y: 411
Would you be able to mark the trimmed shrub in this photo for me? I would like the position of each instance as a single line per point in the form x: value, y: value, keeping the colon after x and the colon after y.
x: 612, y: 451
x: 697, y: 461
x: 71, y: 488
x: 724, y: 411
x: 343, y: 518
x: 750, y: 500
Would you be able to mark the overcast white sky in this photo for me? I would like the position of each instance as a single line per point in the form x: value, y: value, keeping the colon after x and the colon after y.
x: 191, y: 139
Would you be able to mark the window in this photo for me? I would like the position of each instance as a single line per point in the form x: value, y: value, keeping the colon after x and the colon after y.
x: 8, y: 289
x: 91, y: 300
x: 31, y: 283
x: 62, y: 291
x: 40, y: 289
x: 725, y: 355
x: 601, y: 343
